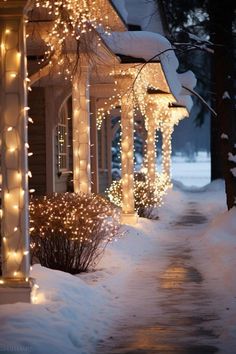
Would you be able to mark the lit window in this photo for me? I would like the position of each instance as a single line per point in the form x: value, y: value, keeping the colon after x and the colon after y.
x: 62, y: 141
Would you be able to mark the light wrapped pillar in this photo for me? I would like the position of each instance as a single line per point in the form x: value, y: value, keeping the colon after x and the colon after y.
x: 129, y: 215
x: 14, y: 285
x: 167, y: 130
x: 81, y: 131
x: 151, y: 147
x: 94, y: 147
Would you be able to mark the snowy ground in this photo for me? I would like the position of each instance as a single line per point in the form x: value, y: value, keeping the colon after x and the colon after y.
x: 73, y: 314
x: 191, y: 173
x: 196, y: 173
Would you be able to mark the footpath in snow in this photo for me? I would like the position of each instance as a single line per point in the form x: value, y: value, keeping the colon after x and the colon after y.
x: 168, y: 286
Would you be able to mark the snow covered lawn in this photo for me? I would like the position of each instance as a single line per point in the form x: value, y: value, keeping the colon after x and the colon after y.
x: 72, y: 313
x: 193, y: 173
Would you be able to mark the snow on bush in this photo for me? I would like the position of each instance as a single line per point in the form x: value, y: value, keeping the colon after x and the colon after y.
x: 69, y: 231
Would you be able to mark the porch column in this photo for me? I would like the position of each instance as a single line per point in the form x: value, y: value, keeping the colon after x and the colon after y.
x: 81, y: 130
x: 129, y: 215
x: 94, y: 147
x: 109, y: 151
x: 15, y: 284
x: 167, y: 130
x: 151, y: 148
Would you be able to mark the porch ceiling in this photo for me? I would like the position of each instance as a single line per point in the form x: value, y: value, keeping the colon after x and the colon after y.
x: 101, y: 58
x: 110, y: 18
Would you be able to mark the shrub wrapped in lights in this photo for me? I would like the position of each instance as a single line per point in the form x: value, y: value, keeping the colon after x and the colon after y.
x: 147, y: 195
x: 70, y: 231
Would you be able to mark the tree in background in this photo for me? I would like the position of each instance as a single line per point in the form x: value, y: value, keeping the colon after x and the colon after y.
x: 211, y: 22
x: 221, y: 16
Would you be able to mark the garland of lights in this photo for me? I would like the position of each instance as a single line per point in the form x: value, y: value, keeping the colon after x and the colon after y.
x: 71, y: 19
x: 142, y: 81
x: 15, y: 147
x: 146, y: 193
x: 137, y: 88
x: 167, y: 131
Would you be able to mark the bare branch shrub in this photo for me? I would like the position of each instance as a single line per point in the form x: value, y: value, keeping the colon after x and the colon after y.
x: 70, y: 231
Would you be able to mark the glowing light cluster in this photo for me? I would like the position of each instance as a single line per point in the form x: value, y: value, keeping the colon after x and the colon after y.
x: 127, y: 153
x: 15, y: 248
x: 71, y: 229
x: 146, y: 193
x: 142, y: 80
x: 81, y: 132
x: 71, y: 20
x: 133, y: 90
x: 167, y: 131
x: 109, y: 104
x: 121, y: 76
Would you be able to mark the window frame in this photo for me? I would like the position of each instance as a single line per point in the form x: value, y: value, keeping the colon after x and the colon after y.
x: 62, y: 140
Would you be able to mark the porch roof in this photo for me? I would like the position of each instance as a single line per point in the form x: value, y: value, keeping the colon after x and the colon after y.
x: 147, y: 47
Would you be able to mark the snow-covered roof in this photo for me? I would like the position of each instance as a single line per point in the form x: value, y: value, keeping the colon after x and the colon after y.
x: 148, y: 45
x: 186, y: 101
x: 188, y: 80
x: 121, y: 8
x: 145, y: 14
x: 154, y: 46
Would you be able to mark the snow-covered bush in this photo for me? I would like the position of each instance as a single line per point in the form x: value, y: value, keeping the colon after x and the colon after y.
x: 146, y: 194
x: 69, y: 231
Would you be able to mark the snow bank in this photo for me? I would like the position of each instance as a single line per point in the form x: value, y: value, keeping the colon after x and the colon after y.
x: 216, y: 250
x: 215, y: 186
x: 172, y: 199
x: 213, y: 195
x: 65, y: 318
x: 219, y: 245
x: 72, y: 312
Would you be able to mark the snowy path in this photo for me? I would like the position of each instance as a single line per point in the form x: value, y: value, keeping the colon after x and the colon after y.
x: 172, y: 308
x: 165, y: 287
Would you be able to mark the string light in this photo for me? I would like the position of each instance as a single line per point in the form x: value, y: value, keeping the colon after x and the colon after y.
x: 75, y: 219
x: 81, y: 131
x: 71, y: 20
x: 146, y: 193
x: 13, y: 159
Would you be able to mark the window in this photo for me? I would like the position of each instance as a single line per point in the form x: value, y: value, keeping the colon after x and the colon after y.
x: 62, y: 140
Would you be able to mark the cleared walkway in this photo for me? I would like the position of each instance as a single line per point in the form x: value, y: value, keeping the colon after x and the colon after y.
x: 173, y: 310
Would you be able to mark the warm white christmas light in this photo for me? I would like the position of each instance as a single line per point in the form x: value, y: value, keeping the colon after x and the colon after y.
x: 81, y: 131
x: 15, y: 239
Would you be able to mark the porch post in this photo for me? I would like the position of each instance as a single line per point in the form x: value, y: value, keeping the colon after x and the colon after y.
x: 81, y: 130
x: 129, y: 215
x: 167, y: 130
x: 94, y: 147
x: 14, y: 285
x: 151, y: 147
x: 109, y: 151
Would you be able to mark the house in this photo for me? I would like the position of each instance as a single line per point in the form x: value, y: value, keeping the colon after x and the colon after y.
x: 81, y: 66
